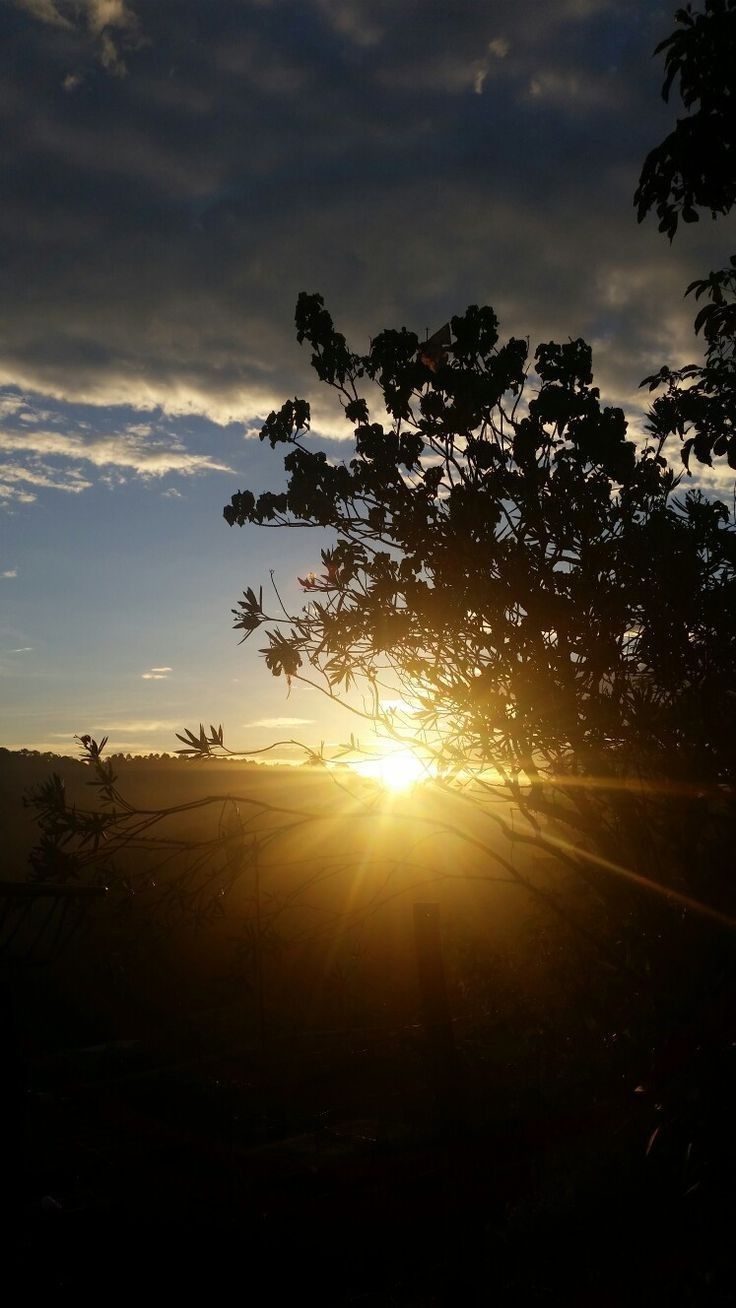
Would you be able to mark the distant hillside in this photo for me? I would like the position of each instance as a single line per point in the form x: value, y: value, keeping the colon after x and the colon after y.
x: 153, y: 779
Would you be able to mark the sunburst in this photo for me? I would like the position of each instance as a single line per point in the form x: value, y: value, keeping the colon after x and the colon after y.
x: 398, y: 770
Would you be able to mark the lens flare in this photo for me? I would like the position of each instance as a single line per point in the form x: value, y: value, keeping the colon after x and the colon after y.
x: 397, y: 771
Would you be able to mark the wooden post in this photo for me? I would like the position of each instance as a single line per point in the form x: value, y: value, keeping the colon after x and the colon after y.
x: 441, y: 1052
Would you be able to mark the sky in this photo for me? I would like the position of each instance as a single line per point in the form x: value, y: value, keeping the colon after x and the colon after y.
x: 172, y: 176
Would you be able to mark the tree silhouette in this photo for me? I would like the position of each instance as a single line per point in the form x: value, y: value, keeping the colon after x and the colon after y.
x: 520, y: 575
x: 695, y: 168
x: 557, y: 621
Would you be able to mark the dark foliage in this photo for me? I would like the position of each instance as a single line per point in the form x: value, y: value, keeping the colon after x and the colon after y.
x: 695, y: 168
x: 698, y: 403
x: 512, y: 567
x: 141, y: 856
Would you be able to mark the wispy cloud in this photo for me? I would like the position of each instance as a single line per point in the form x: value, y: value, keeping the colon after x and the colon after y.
x: 138, y: 726
x: 9, y: 572
x: 45, y: 11
x: 39, y: 474
x: 498, y: 48
x: 144, y: 457
x: 11, y: 403
x: 279, y: 722
x: 571, y: 90
x: 51, y: 445
x: 162, y: 670
x: 8, y: 494
x: 110, y: 24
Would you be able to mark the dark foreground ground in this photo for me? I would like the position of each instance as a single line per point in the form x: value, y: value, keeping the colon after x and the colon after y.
x: 576, y: 1147
x: 345, y: 1168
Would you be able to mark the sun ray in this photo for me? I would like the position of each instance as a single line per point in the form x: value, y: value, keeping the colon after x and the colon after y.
x: 397, y: 770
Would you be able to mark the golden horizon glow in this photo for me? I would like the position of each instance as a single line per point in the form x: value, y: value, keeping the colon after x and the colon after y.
x: 397, y: 771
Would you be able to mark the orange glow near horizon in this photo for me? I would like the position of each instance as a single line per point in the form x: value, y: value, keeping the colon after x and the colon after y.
x: 398, y: 770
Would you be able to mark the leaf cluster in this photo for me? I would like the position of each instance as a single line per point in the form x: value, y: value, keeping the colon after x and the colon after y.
x: 693, y: 168
x: 201, y: 745
x: 698, y: 401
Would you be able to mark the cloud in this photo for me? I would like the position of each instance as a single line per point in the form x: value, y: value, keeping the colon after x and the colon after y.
x: 338, y: 145
x: 571, y: 90
x: 137, y: 726
x: 119, y: 733
x: 146, y: 459
x: 57, y: 447
x: 112, y: 26
x: 10, y: 494
x: 162, y: 669
x: 45, y: 11
x: 10, y: 404
x: 399, y: 706
x: 499, y: 47
x: 40, y: 475
x: 102, y: 14
x: 272, y: 723
x: 9, y: 572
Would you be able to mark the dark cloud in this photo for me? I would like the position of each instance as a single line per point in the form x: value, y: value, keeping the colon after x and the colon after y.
x: 109, y: 28
x: 403, y: 158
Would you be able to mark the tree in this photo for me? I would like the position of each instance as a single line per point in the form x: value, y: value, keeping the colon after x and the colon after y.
x: 526, y: 580
x: 695, y: 168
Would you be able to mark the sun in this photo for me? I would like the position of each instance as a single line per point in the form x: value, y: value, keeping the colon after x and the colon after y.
x: 397, y: 771
x: 400, y: 771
